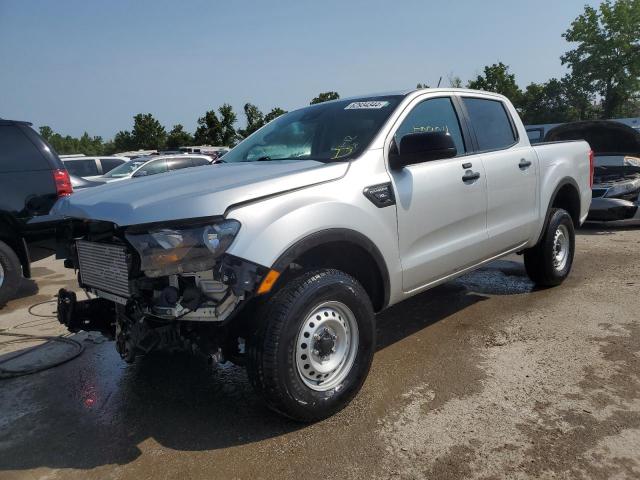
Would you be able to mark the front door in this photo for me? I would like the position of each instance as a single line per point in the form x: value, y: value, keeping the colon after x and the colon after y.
x: 441, y: 204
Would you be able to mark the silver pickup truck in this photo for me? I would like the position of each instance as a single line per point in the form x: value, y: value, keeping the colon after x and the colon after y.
x: 279, y: 258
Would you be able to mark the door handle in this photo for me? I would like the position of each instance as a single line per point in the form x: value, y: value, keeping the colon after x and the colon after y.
x: 524, y: 164
x: 467, y: 166
x: 470, y: 176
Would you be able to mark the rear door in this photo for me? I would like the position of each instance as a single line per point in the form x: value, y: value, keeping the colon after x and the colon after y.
x: 441, y: 216
x: 511, y: 168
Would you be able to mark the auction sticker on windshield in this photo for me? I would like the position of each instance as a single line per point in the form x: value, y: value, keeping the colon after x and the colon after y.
x: 366, y: 105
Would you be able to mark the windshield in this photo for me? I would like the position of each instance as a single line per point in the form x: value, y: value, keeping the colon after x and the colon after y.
x: 328, y: 132
x: 125, y: 169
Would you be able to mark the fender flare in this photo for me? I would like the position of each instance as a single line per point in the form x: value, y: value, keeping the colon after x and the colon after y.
x: 562, y: 183
x: 337, y: 235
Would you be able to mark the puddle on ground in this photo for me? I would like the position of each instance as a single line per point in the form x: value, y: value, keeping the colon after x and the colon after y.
x: 502, y: 277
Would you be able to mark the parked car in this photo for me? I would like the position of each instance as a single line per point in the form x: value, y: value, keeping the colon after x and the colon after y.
x: 154, y: 164
x: 79, y: 183
x: 32, y: 178
x: 92, y: 168
x: 279, y: 257
x: 616, y: 188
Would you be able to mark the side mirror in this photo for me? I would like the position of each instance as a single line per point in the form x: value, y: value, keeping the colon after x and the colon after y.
x: 421, y: 147
x: 141, y: 173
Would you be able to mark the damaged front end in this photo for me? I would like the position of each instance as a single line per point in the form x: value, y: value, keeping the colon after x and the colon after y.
x: 616, y: 193
x: 159, y: 287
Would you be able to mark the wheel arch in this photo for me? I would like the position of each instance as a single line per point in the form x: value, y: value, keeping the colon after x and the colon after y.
x: 8, y: 235
x: 343, y: 249
x: 566, y: 195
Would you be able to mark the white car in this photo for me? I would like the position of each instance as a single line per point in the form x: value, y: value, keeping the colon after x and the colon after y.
x: 92, y: 168
x: 154, y: 164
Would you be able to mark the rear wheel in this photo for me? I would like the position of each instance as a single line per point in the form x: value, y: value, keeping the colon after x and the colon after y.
x: 10, y: 273
x: 313, y: 348
x: 550, y: 261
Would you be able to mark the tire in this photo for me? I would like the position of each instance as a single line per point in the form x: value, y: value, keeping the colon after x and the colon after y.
x: 545, y: 263
x: 10, y: 273
x: 282, y: 364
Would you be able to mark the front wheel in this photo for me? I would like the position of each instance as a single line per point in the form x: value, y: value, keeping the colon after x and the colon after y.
x: 313, y: 347
x: 550, y: 261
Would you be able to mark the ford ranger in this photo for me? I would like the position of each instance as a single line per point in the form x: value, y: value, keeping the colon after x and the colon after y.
x: 279, y: 257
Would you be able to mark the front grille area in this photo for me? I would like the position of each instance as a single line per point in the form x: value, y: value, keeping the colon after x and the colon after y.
x: 104, y: 267
x: 598, y: 192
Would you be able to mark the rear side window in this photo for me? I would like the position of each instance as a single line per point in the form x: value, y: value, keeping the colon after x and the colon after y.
x: 179, y: 163
x: 199, y: 161
x: 18, y: 153
x: 81, y: 168
x: 109, y: 164
x: 152, y: 168
x: 491, y: 123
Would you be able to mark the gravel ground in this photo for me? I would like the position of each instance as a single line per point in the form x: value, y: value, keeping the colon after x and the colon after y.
x: 483, y: 377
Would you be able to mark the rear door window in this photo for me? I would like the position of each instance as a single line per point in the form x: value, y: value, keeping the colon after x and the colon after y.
x: 109, y: 164
x: 179, y: 163
x: 18, y: 153
x: 491, y: 123
x: 200, y: 161
x: 82, y: 168
x: 152, y: 168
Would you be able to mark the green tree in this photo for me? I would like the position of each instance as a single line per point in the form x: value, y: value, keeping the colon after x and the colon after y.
x: 274, y: 113
x: 255, y: 120
x: 147, y: 132
x: 546, y: 103
x: 217, y: 131
x: 178, y: 137
x: 607, y: 55
x: 46, y: 132
x: 123, y: 141
x: 497, y: 78
x: 325, y: 97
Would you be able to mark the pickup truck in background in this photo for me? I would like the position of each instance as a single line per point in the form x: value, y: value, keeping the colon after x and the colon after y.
x: 279, y: 258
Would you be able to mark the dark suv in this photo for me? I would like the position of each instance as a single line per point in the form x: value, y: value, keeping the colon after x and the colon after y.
x: 32, y: 178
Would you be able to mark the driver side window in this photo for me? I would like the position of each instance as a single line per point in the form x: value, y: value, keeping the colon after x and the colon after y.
x: 434, y: 115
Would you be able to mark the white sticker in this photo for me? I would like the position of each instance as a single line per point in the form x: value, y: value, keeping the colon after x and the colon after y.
x: 366, y: 105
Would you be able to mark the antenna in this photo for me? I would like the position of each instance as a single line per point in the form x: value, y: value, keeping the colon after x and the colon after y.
x: 439, y: 81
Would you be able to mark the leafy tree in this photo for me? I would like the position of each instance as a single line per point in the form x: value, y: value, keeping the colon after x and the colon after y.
x: 46, y: 132
x: 123, y: 141
x: 455, y: 81
x: 546, y: 103
x: 422, y: 85
x: 217, y: 131
x: 255, y: 120
x: 273, y: 114
x: 607, y: 55
x: 147, y: 132
x: 496, y: 78
x: 325, y: 97
x: 178, y: 137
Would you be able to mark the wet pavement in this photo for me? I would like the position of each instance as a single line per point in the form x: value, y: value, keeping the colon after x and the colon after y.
x: 483, y: 377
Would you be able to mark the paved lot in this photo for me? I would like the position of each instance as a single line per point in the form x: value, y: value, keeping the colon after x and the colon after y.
x: 479, y: 378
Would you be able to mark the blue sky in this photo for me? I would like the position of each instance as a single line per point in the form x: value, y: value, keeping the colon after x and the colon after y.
x: 90, y: 66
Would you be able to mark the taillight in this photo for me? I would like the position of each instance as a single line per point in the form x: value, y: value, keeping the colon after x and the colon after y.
x: 590, y: 168
x: 63, y: 183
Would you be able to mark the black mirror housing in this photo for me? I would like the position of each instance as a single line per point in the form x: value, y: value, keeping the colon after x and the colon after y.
x: 422, y: 147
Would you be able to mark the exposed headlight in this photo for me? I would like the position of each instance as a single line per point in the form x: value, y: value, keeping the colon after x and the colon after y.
x: 165, y: 251
x: 623, y: 188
